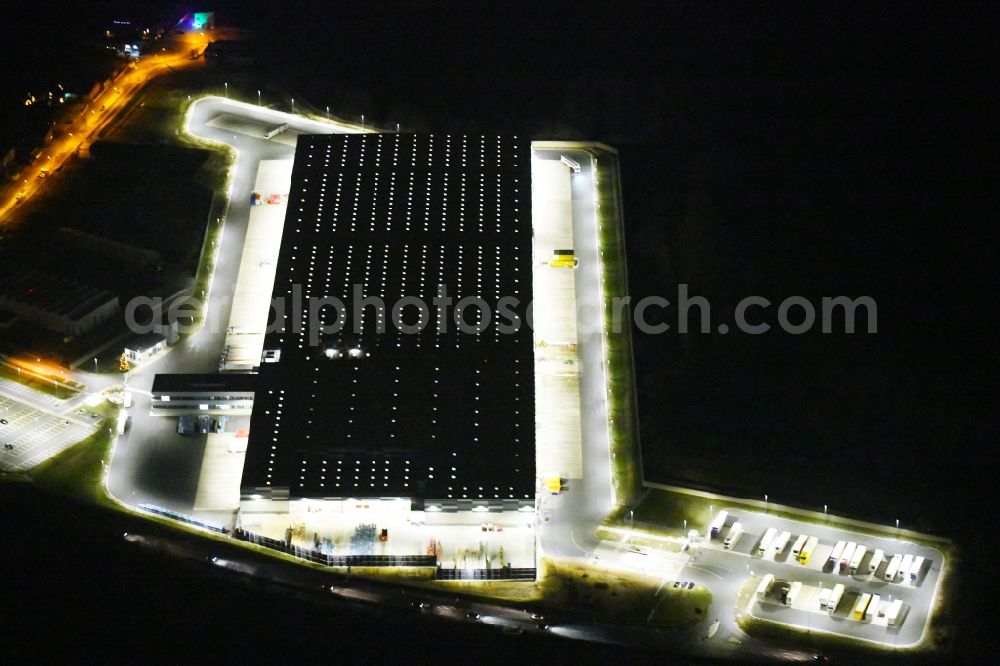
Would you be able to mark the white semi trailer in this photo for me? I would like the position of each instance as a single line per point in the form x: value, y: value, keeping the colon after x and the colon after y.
x: 765, y: 583
x: 876, y: 560
x: 835, y: 553
x: 835, y: 595
x: 904, y: 567
x: 766, y: 540
x: 793, y: 592
x: 780, y: 542
x: 734, y: 535
x: 797, y: 546
x: 892, y: 567
x: 845, y: 557
x: 872, y: 609
x: 918, y: 564
x: 717, y: 524
x: 859, y: 554
x: 893, y: 612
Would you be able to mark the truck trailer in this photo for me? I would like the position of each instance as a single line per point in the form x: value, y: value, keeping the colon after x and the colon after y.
x: 765, y: 583
x: 797, y: 546
x: 835, y: 595
x: 872, y: 609
x: 734, y: 535
x: 892, y: 567
x: 918, y: 564
x: 861, y: 605
x: 766, y: 540
x: 859, y: 554
x: 845, y: 557
x: 780, y: 542
x: 876, y: 560
x: 793, y: 592
x: 904, y: 567
x: 835, y: 553
x: 807, y: 550
x: 717, y: 524
x: 893, y: 612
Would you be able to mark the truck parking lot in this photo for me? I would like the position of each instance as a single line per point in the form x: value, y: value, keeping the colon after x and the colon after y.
x: 882, y: 589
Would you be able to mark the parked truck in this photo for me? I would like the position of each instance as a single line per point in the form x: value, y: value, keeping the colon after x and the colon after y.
x: 872, y: 610
x: 807, y: 550
x: 859, y: 554
x: 766, y: 540
x: 765, y: 583
x: 861, y: 605
x: 918, y: 564
x: 717, y: 524
x: 793, y: 592
x: 876, y: 560
x: 835, y: 554
x: 835, y: 595
x: 563, y: 259
x: 894, y: 612
x: 845, y: 557
x: 799, y: 543
x: 734, y: 535
x: 904, y: 567
x: 892, y: 567
x: 780, y: 542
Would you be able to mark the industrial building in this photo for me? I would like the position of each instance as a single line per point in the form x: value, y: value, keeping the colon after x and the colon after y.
x: 384, y: 398
x: 56, y: 304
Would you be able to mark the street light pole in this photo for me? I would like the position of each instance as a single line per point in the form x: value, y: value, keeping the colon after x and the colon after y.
x: 258, y: 98
x: 293, y: 105
x: 327, y: 113
x: 362, y: 121
x: 226, y: 84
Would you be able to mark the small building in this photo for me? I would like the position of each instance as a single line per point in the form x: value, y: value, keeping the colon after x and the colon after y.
x: 141, y: 348
x: 203, y: 394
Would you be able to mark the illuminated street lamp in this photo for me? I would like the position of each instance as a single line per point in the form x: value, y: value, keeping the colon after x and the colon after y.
x: 327, y: 113
x: 258, y: 98
x: 226, y: 84
x: 362, y: 121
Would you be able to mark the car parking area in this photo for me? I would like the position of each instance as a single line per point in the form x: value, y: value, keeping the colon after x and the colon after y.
x: 31, y: 436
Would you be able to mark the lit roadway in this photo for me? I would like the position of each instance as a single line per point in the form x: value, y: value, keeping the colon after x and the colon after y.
x: 99, y: 112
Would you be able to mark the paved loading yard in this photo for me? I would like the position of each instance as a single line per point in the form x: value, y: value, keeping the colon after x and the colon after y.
x: 557, y: 370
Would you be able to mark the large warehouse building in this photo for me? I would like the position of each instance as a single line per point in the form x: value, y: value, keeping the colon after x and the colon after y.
x: 422, y: 398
